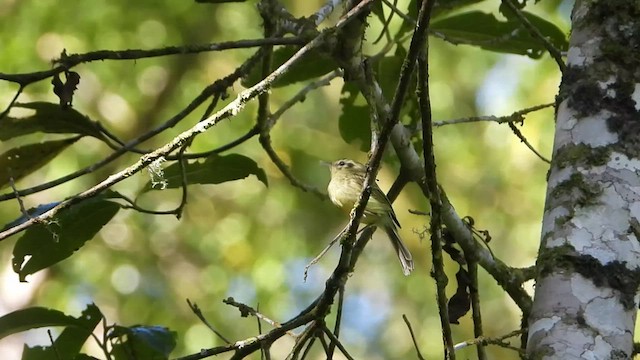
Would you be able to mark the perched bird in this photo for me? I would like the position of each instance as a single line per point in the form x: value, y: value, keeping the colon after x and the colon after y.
x: 347, y: 177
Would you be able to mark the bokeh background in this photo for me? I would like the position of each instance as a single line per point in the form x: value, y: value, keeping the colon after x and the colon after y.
x: 243, y: 239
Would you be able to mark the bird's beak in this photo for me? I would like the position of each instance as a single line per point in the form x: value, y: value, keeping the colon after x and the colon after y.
x: 325, y: 163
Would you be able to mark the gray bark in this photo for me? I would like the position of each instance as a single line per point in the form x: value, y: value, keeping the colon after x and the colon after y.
x: 588, y: 266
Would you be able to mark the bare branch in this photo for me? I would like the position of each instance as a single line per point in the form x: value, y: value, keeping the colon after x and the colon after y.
x: 66, y: 62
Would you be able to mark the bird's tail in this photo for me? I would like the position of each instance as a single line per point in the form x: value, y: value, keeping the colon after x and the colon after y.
x: 401, y: 249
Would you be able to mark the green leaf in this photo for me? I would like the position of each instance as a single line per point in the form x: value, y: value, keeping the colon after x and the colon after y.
x: 143, y: 342
x: 440, y: 9
x: 378, y: 10
x: 354, y: 122
x: 443, y: 7
x: 484, y: 30
x: 48, y: 118
x: 70, y: 341
x: 33, y: 318
x: 48, y: 244
x: 313, y: 65
x: 215, y: 169
x: 23, y: 160
x: 218, y: 1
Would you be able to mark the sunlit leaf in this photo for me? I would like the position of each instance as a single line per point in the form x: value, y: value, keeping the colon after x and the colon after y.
x: 215, y: 169
x: 48, y: 118
x: 44, y: 245
x: 23, y: 160
x: 484, y: 30
x: 143, y: 342
x: 313, y: 65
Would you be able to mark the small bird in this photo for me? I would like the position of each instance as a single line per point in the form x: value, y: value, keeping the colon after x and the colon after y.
x: 347, y: 177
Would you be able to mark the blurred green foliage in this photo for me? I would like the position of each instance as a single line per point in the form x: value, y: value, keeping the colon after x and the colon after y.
x: 249, y: 241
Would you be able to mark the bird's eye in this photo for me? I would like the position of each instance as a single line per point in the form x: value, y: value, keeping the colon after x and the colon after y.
x: 341, y: 163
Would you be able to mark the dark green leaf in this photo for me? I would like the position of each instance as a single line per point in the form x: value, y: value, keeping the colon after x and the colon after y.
x: 313, y: 65
x: 215, y: 169
x: 378, y: 10
x: 443, y: 7
x: 22, y: 161
x: 484, y: 30
x: 33, y: 318
x: 408, y: 26
x: 48, y: 118
x: 143, y: 342
x: 389, y: 73
x: 70, y: 342
x: 440, y: 9
x: 354, y: 123
x: 65, y: 90
x: 48, y: 244
x: 218, y: 1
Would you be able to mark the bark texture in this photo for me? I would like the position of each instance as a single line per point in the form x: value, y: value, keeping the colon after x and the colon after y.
x: 588, y: 266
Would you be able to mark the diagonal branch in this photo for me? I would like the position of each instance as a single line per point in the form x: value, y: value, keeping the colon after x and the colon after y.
x: 228, y: 111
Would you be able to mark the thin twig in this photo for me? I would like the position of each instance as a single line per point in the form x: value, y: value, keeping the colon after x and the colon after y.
x: 307, y: 335
x: 182, y: 164
x: 263, y: 351
x: 307, y: 349
x: 301, y: 95
x: 246, y: 309
x: 413, y: 337
x: 515, y: 117
x: 23, y: 210
x: 395, y: 9
x: 535, y: 32
x: 322, y: 253
x: 265, y: 141
x: 53, y: 345
x: 498, y: 341
x: 472, y: 266
x: 217, y: 86
x: 336, y: 342
x: 196, y: 310
x: 424, y: 102
x: 13, y: 101
x: 336, y: 327
x: 68, y: 61
x: 526, y: 142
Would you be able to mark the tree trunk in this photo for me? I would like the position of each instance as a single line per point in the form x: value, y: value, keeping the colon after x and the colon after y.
x: 589, y: 261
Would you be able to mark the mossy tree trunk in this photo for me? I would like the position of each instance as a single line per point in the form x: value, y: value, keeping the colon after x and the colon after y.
x: 589, y: 262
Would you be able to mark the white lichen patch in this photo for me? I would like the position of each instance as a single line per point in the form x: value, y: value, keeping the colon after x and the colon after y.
x: 598, y: 231
x: 620, y: 161
x: 592, y: 130
x: 607, y: 315
x: 636, y: 96
x: 544, y: 324
x: 575, y: 56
